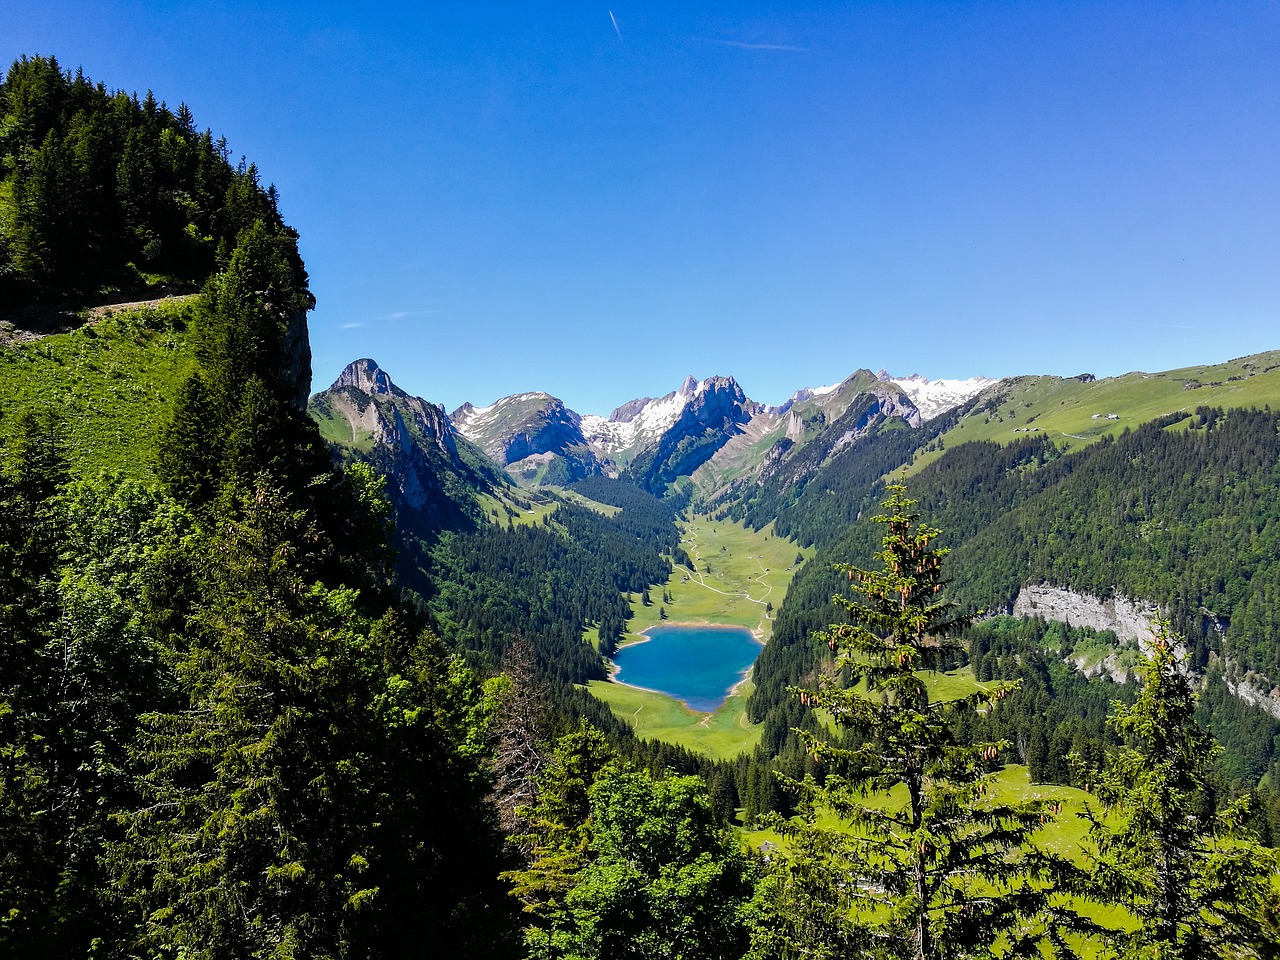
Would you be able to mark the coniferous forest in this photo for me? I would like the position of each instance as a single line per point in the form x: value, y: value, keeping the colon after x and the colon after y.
x: 248, y: 709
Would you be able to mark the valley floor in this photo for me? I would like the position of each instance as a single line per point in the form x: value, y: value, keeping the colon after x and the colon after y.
x: 739, y: 576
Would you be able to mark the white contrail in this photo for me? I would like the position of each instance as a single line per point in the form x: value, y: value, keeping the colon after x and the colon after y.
x: 615, y: 24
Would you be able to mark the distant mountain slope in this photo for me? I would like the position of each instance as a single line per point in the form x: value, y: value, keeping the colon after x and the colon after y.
x: 934, y: 397
x: 1074, y: 411
x: 641, y: 424
x: 433, y: 474
x: 783, y: 445
x: 533, y: 435
x: 708, y: 429
x: 710, y: 412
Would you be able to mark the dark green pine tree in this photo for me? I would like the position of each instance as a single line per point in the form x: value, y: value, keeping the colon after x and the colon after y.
x: 1196, y: 880
x: 318, y: 793
x: 929, y: 864
x: 556, y: 833
x: 241, y: 411
x: 33, y: 761
x: 188, y: 461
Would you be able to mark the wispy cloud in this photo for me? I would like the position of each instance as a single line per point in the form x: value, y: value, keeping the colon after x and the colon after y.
x: 386, y: 318
x: 401, y: 314
x: 743, y: 45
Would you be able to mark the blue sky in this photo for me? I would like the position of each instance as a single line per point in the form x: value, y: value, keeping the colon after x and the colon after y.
x: 516, y: 197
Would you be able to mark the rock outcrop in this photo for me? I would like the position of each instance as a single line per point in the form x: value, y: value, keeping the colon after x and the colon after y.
x: 296, y: 352
x: 1129, y: 620
x: 1132, y: 621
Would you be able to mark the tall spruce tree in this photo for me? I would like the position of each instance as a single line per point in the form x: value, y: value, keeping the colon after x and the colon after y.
x: 929, y: 864
x: 241, y: 411
x: 321, y: 780
x: 1196, y: 879
x: 36, y: 777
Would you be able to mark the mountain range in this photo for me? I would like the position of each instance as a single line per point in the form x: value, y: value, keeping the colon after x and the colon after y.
x: 706, y: 428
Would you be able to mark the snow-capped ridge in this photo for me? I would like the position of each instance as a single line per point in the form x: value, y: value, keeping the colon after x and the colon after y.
x: 934, y: 397
x: 645, y: 419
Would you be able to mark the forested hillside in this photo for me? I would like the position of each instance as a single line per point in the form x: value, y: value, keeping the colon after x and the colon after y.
x: 1180, y: 511
x: 218, y: 737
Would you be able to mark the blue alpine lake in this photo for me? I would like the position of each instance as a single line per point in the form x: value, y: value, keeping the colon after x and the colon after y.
x: 696, y: 665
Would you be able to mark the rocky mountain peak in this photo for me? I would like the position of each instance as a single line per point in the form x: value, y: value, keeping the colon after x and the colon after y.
x: 627, y: 412
x: 366, y: 376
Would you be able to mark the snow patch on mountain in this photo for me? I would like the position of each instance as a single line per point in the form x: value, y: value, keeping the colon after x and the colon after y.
x: 641, y: 421
x: 933, y: 397
x: 474, y: 422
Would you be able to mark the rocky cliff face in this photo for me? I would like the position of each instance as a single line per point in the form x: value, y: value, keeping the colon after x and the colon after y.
x: 886, y: 402
x: 373, y: 405
x: 1129, y: 620
x: 1132, y: 621
x: 296, y: 350
x: 714, y: 410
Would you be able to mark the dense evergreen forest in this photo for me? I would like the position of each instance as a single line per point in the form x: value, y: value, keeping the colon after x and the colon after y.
x: 105, y: 196
x: 234, y: 723
x: 1180, y: 510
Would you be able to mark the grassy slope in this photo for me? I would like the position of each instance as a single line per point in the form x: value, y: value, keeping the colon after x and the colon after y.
x: 1064, y: 409
x: 112, y: 382
x: 721, y: 735
x: 1065, y: 835
x: 337, y: 429
x: 529, y: 505
x: 748, y: 570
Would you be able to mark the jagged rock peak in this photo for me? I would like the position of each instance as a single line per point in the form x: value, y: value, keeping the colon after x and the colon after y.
x: 884, y: 376
x: 365, y: 375
x: 689, y: 387
x: 627, y: 412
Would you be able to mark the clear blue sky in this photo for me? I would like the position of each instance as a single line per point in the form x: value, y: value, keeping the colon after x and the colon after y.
x: 495, y: 198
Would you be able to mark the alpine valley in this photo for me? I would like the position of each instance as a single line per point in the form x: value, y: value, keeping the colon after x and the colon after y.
x: 1071, y: 500
x: 294, y: 674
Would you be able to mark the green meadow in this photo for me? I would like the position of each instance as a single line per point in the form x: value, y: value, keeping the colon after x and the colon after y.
x: 749, y: 571
x: 721, y: 735
x: 111, y: 383
x: 738, y: 575
x: 1073, y: 413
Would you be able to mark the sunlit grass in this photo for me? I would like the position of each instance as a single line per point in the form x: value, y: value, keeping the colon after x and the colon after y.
x: 721, y: 735
x: 111, y: 383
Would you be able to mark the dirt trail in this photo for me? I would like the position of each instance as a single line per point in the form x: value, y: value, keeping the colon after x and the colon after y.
x: 697, y: 577
x: 25, y: 324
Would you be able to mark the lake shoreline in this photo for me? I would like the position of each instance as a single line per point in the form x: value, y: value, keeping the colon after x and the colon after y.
x: 642, y: 636
x: 648, y: 634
